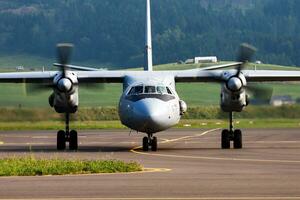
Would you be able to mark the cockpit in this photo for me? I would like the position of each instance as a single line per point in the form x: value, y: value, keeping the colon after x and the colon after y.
x: 148, y: 89
x: 139, y: 92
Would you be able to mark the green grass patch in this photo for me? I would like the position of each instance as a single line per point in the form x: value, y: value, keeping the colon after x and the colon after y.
x: 110, y: 114
x: 57, y: 125
x: 195, y: 94
x: 240, y: 123
x: 31, y: 166
x: 184, y: 123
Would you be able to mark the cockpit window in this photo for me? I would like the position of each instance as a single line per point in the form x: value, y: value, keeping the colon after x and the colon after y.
x: 169, y: 91
x: 140, y: 89
x: 150, y: 89
x: 136, y: 90
x: 161, y: 90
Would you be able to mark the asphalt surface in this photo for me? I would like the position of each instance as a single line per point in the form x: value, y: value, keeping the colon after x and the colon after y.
x: 188, y: 165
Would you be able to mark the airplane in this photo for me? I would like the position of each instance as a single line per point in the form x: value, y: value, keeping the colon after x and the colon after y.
x: 149, y: 102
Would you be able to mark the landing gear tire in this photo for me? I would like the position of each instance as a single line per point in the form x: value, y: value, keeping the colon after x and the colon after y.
x: 225, y: 144
x: 231, y: 135
x: 145, y: 144
x: 237, y: 139
x: 61, y: 140
x: 154, y: 144
x: 73, y: 140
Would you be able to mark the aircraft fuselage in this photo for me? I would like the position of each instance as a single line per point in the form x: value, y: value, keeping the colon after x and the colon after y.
x: 149, y: 104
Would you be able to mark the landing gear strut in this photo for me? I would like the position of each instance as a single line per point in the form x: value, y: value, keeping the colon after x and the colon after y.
x: 150, y: 141
x: 231, y: 135
x: 67, y: 136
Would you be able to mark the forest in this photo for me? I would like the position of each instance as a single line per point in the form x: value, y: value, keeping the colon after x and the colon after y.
x: 111, y: 32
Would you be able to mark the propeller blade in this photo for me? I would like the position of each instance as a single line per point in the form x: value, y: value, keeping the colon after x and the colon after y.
x: 259, y: 93
x: 64, y: 52
x: 246, y: 53
x: 34, y: 88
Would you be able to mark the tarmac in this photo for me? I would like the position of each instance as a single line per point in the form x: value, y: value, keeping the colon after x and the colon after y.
x: 189, y: 164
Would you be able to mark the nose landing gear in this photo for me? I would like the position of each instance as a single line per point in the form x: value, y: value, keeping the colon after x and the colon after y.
x: 231, y: 135
x: 150, y: 141
x: 67, y: 136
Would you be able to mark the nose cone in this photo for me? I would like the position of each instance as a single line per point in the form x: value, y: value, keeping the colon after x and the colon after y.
x: 234, y: 84
x: 151, y: 115
x: 64, y: 85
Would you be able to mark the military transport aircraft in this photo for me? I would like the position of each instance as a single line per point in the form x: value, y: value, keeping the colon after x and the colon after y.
x: 149, y: 102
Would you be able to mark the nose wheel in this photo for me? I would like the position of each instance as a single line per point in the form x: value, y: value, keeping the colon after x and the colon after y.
x: 67, y: 136
x: 150, y: 142
x: 231, y: 135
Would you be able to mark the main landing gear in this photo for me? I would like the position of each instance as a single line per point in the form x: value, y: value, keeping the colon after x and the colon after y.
x: 150, y: 141
x: 67, y: 136
x: 231, y: 135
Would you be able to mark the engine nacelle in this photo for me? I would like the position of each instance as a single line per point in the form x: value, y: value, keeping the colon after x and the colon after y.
x: 182, y: 107
x: 233, y: 101
x: 66, y: 84
x: 233, y: 93
x: 65, y: 98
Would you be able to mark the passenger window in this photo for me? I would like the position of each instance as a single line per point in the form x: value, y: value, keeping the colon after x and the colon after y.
x: 169, y: 91
x: 161, y: 90
x: 150, y: 89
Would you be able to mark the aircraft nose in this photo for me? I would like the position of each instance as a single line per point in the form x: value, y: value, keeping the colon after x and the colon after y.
x: 151, y: 115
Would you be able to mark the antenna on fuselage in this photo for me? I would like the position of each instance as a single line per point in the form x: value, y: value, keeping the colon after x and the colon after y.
x: 148, y: 44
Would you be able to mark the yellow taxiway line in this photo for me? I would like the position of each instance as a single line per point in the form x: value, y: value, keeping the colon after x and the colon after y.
x: 134, y: 150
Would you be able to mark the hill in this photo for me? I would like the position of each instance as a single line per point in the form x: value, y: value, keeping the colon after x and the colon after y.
x: 111, y: 32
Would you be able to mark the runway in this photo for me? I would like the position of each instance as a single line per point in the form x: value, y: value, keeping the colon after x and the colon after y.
x: 188, y: 165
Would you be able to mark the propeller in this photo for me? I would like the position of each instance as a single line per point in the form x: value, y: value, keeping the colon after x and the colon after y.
x: 237, y: 81
x: 259, y: 93
x: 245, y: 55
x: 64, y: 52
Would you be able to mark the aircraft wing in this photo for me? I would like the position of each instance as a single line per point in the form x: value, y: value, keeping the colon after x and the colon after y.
x: 214, y: 67
x: 180, y: 76
x: 271, y: 75
x: 188, y: 75
x: 27, y: 77
x: 250, y: 75
x: 83, y: 76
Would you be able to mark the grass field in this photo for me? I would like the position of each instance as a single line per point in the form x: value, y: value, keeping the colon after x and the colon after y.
x: 184, y: 123
x: 107, y: 118
x: 195, y: 94
x: 31, y: 166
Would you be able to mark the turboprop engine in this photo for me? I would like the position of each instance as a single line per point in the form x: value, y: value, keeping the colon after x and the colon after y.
x: 64, y: 98
x: 233, y: 93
